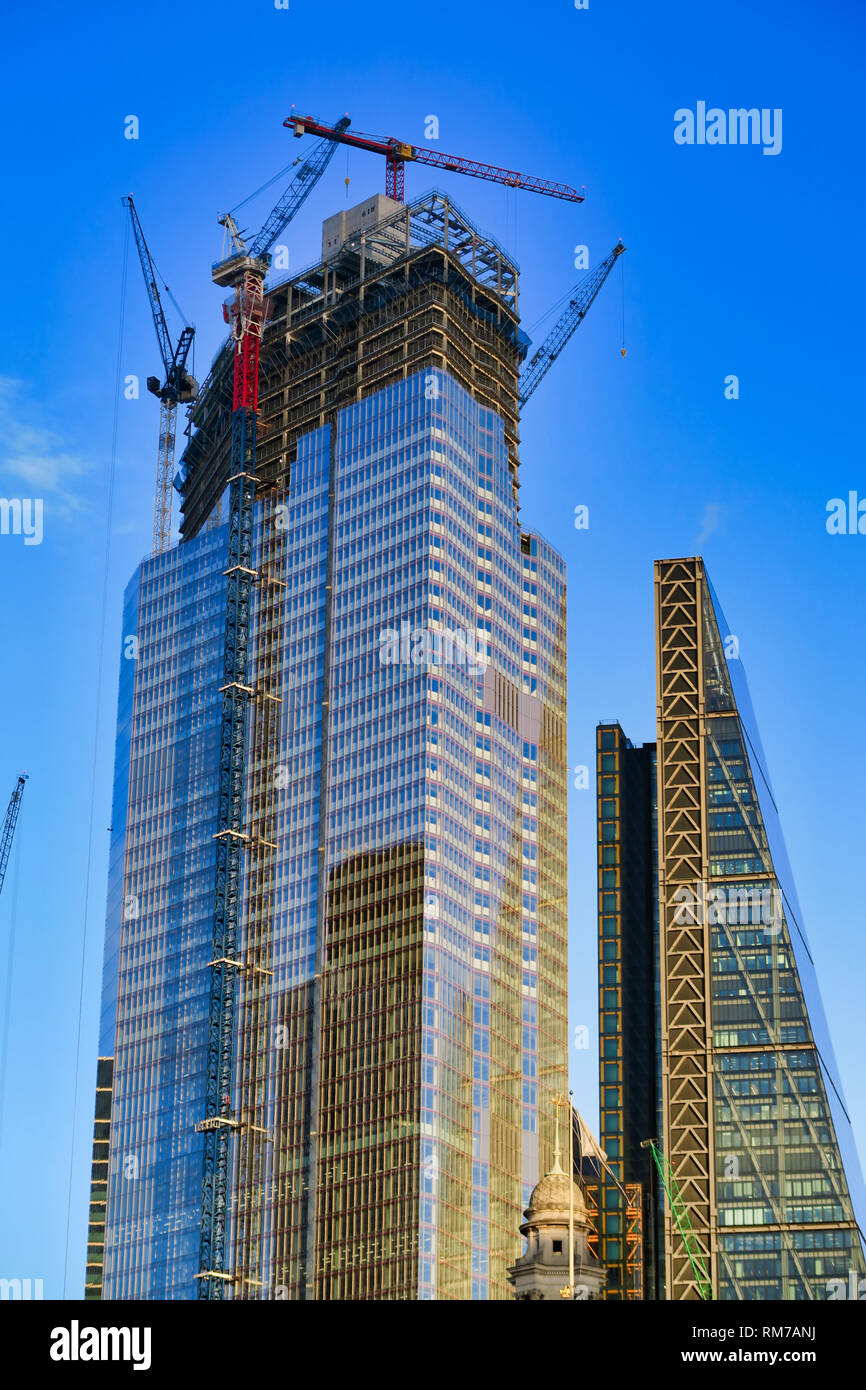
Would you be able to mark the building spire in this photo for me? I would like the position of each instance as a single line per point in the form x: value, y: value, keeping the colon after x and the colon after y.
x: 557, y: 1164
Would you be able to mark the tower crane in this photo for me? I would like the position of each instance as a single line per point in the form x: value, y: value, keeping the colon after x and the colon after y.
x: 178, y: 387
x: 9, y: 824
x: 244, y: 270
x: 398, y: 154
x: 578, y: 307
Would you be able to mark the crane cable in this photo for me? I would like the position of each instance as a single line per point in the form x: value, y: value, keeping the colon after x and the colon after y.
x: 276, y: 176
x: 7, y: 1010
x: 622, y: 284
x: 168, y: 291
x: 569, y: 295
x: 96, y: 725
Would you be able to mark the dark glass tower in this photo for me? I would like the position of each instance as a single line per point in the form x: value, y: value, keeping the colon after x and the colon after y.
x: 752, y: 1120
x: 629, y: 1056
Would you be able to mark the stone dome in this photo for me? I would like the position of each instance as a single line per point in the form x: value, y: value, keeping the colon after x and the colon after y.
x: 550, y: 1199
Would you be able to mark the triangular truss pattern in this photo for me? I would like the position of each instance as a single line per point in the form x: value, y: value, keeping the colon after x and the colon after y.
x: 748, y: 1127
x: 684, y: 998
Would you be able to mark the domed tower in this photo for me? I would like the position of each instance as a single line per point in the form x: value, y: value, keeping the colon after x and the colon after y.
x: 542, y: 1272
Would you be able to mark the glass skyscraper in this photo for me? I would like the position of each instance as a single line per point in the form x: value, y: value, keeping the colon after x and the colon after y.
x: 751, y: 1116
x: 629, y: 1055
x: 402, y: 1000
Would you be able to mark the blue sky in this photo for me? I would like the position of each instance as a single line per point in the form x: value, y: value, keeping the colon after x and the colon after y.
x: 737, y: 263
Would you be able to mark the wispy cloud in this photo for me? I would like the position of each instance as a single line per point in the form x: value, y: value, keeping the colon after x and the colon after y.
x: 35, y: 452
x: 709, y: 522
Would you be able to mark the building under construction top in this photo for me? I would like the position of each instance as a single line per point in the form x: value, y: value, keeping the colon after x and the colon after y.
x: 400, y: 287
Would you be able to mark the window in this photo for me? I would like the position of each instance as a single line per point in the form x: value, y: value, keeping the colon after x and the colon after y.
x: 557, y: 1247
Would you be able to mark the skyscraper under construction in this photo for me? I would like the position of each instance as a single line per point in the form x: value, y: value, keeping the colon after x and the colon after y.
x: 713, y: 1039
x: 400, y: 969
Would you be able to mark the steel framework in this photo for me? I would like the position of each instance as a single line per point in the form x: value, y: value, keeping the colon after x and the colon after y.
x: 685, y: 946
x: 634, y: 1241
x: 329, y: 321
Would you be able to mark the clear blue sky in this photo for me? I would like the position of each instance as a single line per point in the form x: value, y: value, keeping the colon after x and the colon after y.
x: 736, y: 263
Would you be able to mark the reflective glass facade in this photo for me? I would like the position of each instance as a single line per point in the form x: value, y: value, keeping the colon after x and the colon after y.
x: 445, y: 768
x: 113, y: 919
x: 746, y: 1098
x: 779, y: 1117
x: 160, y: 901
x: 404, y: 916
x: 753, y: 1118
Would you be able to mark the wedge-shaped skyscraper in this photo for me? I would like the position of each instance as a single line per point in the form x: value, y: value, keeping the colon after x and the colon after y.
x: 753, y: 1127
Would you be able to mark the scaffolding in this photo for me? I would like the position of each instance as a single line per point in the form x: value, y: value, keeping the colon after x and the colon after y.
x: 633, y: 1283
x: 253, y: 1167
